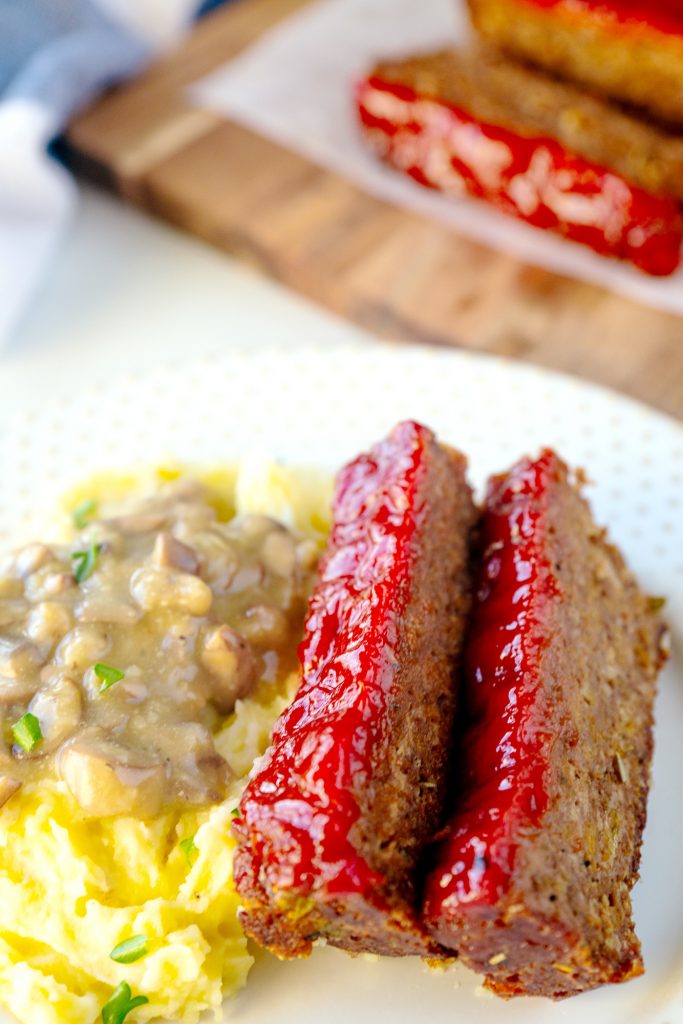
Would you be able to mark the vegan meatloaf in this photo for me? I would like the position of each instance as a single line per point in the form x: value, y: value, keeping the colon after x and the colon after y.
x: 473, y: 122
x: 532, y: 879
x: 495, y: 90
x: 631, y: 50
x: 333, y: 822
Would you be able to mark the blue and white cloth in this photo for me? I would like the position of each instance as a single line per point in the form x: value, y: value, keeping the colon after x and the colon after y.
x: 55, y: 56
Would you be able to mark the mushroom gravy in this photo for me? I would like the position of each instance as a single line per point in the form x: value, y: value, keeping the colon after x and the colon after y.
x: 122, y: 652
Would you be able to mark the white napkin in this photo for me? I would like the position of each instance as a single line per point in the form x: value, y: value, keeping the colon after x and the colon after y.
x: 37, y: 198
x: 295, y: 85
x: 95, y: 42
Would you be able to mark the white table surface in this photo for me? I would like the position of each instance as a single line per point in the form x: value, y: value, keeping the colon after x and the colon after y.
x: 127, y: 292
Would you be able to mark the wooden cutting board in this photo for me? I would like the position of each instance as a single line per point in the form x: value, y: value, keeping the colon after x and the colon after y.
x: 394, y: 272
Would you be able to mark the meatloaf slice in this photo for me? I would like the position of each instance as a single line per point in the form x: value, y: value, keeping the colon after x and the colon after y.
x: 630, y: 50
x: 333, y: 821
x: 473, y: 123
x: 532, y: 880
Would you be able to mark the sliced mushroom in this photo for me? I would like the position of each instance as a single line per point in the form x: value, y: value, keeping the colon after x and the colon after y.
x: 138, y: 522
x: 220, y: 560
x: 83, y: 646
x: 157, y: 586
x: 256, y: 525
x: 307, y: 554
x: 278, y: 552
x: 246, y: 577
x: 57, y: 582
x: 231, y: 663
x: 19, y: 659
x: 170, y: 551
x: 47, y: 583
x: 265, y: 626
x: 48, y: 622
x: 193, y: 515
x: 33, y: 557
x: 12, y: 612
x: 132, y: 685
x: 107, y: 779
x: 58, y: 710
x: 8, y: 787
x: 17, y: 691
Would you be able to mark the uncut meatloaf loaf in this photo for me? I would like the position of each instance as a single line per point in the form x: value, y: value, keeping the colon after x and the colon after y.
x: 532, y: 879
x: 472, y: 122
x: 630, y: 50
x: 335, y: 818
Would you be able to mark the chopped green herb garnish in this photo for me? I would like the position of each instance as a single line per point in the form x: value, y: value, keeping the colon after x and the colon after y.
x: 622, y: 770
x: 189, y: 849
x: 120, y: 1004
x: 655, y: 604
x: 235, y: 812
x: 130, y: 950
x: 84, y: 512
x: 84, y: 561
x: 26, y: 732
x: 108, y: 674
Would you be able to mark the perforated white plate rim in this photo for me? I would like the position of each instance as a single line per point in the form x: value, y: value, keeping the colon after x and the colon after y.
x: 318, y: 406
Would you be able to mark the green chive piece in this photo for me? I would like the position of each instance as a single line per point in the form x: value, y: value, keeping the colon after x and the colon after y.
x: 130, y: 950
x: 84, y: 561
x: 108, y: 674
x: 26, y: 732
x: 189, y: 849
x: 235, y: 812
x: 84, y: 512
x: 120, y: 1004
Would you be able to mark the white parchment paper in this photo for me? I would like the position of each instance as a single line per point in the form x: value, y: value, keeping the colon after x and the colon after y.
x: 295, y: 85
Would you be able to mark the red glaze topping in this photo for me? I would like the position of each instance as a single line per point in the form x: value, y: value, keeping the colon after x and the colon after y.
x: 298, y: 809
x: 535, y: 179
x: 505, y: 755
x: 662, y: 15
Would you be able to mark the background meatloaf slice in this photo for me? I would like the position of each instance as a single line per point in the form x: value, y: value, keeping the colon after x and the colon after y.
x: 474, y: 123
x: 498, y: 91
x: 532, y: 881
x: 333, y: 821
x: 631, y: 50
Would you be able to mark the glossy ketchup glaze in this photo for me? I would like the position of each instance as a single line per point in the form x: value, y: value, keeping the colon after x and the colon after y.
x: 534, y: 178
x: 505, y: 755
x: 663, y: 15
x: 299, y: 808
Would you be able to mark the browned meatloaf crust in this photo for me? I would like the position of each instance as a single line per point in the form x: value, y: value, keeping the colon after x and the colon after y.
x: 499, y: 91
x: 632, y: 62
x: 332, y: 824
x: 532, y: 882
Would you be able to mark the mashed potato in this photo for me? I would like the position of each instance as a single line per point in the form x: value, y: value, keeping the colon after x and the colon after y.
x: 72, y: 888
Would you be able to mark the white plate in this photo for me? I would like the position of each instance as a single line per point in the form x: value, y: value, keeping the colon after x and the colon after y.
x: 319, y: 407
